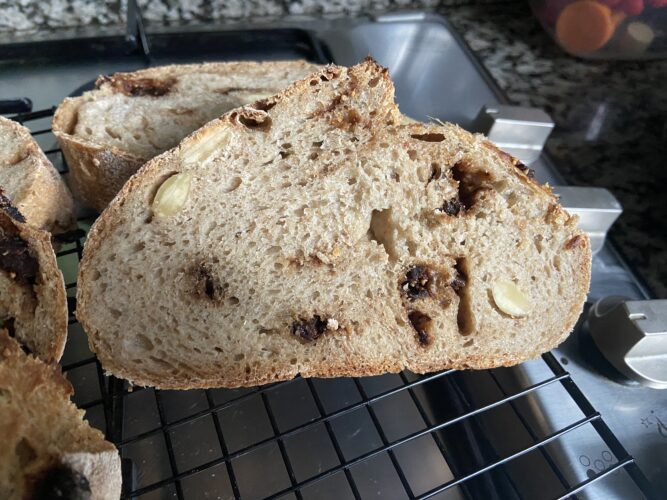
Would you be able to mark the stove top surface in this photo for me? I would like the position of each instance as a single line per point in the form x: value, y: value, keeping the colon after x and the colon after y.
x: 489, y: 415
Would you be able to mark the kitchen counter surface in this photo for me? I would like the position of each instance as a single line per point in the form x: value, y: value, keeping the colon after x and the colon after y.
x: 37, y: 14
x: 611, y: 121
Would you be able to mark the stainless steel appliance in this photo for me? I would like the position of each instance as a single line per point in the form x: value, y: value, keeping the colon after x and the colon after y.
x: 568, y: 424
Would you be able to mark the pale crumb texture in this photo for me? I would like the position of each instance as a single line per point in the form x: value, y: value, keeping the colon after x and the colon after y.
x: 41, y: 430
x: 31, y: 182
x: 323, y: 236
x: 109, y: 132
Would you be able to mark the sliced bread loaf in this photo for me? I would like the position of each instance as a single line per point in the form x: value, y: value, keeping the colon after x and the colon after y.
x: 31, y: 182
x: 314, y: 232
x: 33, y: 303
x: 48, y: 451
x: 108, y: 133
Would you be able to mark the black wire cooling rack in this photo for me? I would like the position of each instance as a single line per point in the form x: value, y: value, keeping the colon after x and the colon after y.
x: 395, y: 436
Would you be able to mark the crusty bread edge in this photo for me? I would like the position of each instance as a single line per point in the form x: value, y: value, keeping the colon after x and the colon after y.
x: 109, y: 219
x: 205, y: 67
x: 96, y: 173
x: 50, y: 287
x: 49, y: 194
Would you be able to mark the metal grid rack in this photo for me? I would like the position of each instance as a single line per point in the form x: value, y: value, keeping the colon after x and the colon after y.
x: 316, y: 438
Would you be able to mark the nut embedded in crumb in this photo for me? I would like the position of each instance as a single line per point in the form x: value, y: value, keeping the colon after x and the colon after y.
x: 171, y: 195
x: 510, y: 299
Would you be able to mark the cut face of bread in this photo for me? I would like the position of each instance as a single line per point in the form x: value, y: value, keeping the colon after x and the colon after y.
x: 31, y: 182
x: 33, y: 304
x: 108, y: 133
x: 48, y: 451
x: 313, y: 233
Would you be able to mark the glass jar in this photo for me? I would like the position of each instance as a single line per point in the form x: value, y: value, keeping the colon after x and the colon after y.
x: 606, y: 29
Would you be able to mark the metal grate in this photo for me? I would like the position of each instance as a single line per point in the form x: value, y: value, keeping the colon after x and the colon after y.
x: 396, y: 436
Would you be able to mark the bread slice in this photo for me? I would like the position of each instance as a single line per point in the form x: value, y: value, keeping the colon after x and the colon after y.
x: 30, y: 181
x: 313, y: 232
x: 33, y: 303
x: 48, y: 450
x: 108, y: 133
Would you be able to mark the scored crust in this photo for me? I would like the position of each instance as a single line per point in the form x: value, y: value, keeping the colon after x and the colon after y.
x: 43, y: 432
x: 31, y: 182
x: 108, y: 133
x: 307, y: 216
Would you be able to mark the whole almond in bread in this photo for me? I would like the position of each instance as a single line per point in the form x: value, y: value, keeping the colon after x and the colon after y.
x: 31, y: 182
x: 314, y: 233
x: 48, y: 451
x: 108, y: 133
x: 33, y: 303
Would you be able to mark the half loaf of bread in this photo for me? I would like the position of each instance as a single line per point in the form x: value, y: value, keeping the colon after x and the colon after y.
x: 108, y: 133
x: 315, y: 233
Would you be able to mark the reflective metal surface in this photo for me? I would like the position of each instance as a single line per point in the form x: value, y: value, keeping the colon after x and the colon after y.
x: 522, y: 132
x: 632, y: 335
x: 434, y: 76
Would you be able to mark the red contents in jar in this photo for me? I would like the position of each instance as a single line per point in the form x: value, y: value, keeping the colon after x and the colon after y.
x: 632, y: 7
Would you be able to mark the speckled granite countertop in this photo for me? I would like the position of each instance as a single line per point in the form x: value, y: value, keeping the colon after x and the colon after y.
x: 610, y: 116
x: 611, y: 121
x: 39, y: 14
